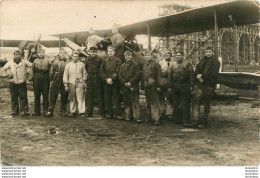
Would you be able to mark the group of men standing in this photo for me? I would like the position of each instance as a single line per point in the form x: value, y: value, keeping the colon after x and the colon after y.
x: 168, y: 85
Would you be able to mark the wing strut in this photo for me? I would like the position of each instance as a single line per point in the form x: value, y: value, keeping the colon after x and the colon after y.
x: 149, y: 37
x: 216, y: 34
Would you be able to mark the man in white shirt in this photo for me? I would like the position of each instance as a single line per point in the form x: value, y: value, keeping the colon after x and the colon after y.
x: 74, y: 79
x: 18, y: 73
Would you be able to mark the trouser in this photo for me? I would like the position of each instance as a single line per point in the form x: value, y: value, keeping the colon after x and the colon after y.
x: 131, y: 104
x: 165, y: 101
x: 202, y: 94
x: 56, y: 88
x: 94, y: 89
x: 77, y: 99
x: 152, y: 103
x: 181, y: 102
x: 41, y: 86
x: 18, y: 91
x: 112, y: 92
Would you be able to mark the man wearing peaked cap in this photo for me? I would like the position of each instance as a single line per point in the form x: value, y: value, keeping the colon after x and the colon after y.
x: 94, y: 82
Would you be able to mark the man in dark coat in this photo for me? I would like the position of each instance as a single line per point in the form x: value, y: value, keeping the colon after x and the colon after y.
x: 206, y: 74
x: 129, y: 76
x: 181, y: 82
x: 57, y: 86
x: 94, y: 83
x: 150, y: 83
x: 109, y: 71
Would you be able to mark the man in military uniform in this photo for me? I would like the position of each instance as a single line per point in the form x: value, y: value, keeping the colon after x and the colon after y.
x: 94, y: 83
x: 41, y: 83
x: 129, y: 77
x: 150, y: 84
x: 206, y: 74
x: 164, y: 96
x: 18, y: 73
x: 117, y: 42
x: 181, y: 82
x: 109, y: 71
x: 57, y: 86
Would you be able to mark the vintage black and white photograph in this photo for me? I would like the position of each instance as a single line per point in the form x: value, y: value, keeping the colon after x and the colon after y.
x: 129, y: 83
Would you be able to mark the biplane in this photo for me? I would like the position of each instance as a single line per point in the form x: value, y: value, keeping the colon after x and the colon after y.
x: 231, y: 14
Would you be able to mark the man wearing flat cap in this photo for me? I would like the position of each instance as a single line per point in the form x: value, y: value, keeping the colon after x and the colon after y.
x: 129, y: 76
x: 94, y: 83
x: 18, y: 91
x: 41, y: 83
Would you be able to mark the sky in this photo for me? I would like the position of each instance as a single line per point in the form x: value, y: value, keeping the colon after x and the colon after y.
x: 25, y: 19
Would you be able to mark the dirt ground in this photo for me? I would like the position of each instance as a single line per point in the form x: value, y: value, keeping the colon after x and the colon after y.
x: 231, y: 140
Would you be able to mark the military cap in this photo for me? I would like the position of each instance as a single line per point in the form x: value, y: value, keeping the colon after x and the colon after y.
x: 17, y: 52
x: 127, y: 52
x: 92, y: 48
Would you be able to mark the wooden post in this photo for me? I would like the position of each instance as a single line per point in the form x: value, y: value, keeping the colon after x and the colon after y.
x: 216, y: 34
x: 149, y: 37
x: 236, y: 50
x: 59, y: 43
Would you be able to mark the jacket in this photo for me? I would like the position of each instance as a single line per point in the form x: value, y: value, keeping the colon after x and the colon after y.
x: 110, y: 68
x: 130, y: 72
x: 117, y: 40
x: 74, y: 73
x: 18, y: 71
x: 209, y: 68
x: 57, y: 70
x: 92, y: 64
x: 181, y: 73
x: 150, y: 74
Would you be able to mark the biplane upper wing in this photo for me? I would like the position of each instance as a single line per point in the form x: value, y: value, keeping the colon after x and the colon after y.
x: 194, y: 20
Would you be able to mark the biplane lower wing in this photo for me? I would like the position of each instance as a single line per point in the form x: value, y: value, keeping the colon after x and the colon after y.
x: 240, y: 80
